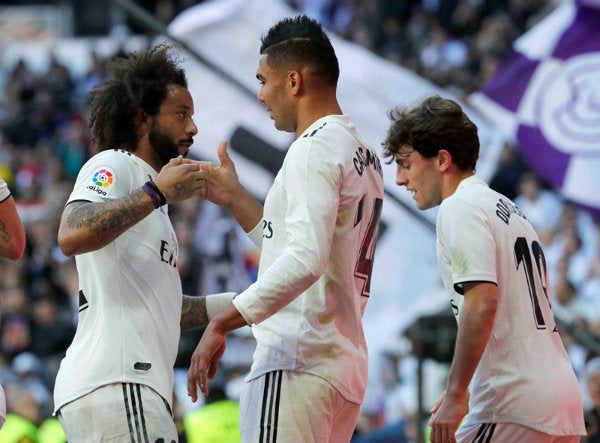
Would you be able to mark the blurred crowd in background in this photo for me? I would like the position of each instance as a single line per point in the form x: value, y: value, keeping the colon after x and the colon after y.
x: 456, y: 44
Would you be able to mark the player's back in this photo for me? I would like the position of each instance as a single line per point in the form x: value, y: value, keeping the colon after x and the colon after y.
x: 525, y: 375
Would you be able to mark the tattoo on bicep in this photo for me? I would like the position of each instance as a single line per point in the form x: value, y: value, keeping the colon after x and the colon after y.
x: 104, y: 218
x: 193, y: 312
x: 4, y: 234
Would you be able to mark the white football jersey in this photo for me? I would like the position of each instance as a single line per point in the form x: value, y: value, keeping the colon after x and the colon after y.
x: 318, y: 231
x: 130, y: 292
x: 524, y: 375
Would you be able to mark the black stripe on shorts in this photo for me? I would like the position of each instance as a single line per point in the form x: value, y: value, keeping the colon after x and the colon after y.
x: 134, y: 411
x: 269, y: 415
x: 485, y: 433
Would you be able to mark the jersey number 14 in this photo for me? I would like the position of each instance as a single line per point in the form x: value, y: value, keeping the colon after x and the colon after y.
x: 364, y: 264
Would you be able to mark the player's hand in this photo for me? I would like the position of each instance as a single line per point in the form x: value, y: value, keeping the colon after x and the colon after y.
x: 205, y: 361
x: 222, y: 179
x: 446, y: 415
x: 181, y: 179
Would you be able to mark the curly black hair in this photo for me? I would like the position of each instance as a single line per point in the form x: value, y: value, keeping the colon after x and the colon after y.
x: 136, y: 83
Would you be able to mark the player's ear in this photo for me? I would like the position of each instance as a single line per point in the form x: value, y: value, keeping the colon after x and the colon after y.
x: 294, y: 81
x: 141, y: 121
x: 444, y: 159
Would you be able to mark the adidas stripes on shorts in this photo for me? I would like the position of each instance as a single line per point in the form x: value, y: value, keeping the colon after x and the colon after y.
x: 119, y: 413
x: 291, y: 407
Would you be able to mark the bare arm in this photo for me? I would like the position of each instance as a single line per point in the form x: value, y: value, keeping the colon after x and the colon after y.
x: 246, y: 210
x: 198, y: 311
x: 87, y: 226
x: 12, y: 232
x: 224, y: 189
x: 474, y: 329
x: 193, y: 312
x: 208, y: 353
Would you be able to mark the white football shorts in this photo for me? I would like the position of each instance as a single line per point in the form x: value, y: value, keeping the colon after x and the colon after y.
x: 119, y: 413
x: 291, y: 407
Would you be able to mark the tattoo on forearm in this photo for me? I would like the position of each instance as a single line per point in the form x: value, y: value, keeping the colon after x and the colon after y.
x: 105, y: 218
x: 193, y: 312
x: 4, y: 234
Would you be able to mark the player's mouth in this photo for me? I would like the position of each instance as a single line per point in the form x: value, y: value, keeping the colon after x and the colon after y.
x: 185, y: 144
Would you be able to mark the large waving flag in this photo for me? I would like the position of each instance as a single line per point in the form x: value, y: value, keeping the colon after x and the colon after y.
x: 546, y: 97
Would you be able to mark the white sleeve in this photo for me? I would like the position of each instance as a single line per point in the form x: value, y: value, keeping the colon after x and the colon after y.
x: 103, y: 177
x: 255, y: 235
x: 465, y: 234
x: 4, y: 191
x: 312, y: 189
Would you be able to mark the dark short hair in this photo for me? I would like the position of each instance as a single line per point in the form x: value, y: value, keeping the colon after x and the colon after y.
x: 135, y: 83
x: 301, y: 40
x: 437, y: 123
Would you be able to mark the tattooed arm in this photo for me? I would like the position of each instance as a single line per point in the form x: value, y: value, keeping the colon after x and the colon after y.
x: 12, y: 232
x: 198, y: 311
x: 193, y: 312
x: 87, y: 226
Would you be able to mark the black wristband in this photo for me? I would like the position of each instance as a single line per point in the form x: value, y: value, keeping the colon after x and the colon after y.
x: 161, y: 196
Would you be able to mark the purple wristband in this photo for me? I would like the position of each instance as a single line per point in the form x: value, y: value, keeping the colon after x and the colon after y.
x: 152, y: 193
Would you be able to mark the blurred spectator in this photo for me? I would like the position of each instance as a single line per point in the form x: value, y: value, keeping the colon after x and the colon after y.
x: 23, y: 418
x: 541, y: 206
x: 508, y: 172
x: 25, y: 367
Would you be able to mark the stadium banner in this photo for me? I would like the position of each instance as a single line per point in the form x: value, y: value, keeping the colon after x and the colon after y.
x: 546, y: 98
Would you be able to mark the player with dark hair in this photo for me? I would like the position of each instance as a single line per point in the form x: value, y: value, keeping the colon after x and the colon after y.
x: 116, y: 380
x: 510, y: 375
x: 317, y: 234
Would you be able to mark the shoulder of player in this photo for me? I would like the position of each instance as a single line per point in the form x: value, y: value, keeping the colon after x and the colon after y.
x: 115, y: 161
x: 462, y: 201
x: 111, y: 155
x: 330, y: 135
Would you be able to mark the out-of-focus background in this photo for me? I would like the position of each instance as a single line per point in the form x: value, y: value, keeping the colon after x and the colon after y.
x: 526, y: 71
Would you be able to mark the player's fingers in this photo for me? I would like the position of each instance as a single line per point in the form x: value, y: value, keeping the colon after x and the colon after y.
x: 435, y: 434
x: 212, y: 368
x: 196, y: 377
x: 222, y: 153
x: 191, y: 385
x: 205, y: 167
x: 448, y: 435
x: 175, y: 161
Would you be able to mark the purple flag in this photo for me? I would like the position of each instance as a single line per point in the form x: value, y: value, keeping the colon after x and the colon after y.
x: 546, y: 97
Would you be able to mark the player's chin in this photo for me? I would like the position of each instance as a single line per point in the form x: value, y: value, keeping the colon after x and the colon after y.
x: 184, y: 150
